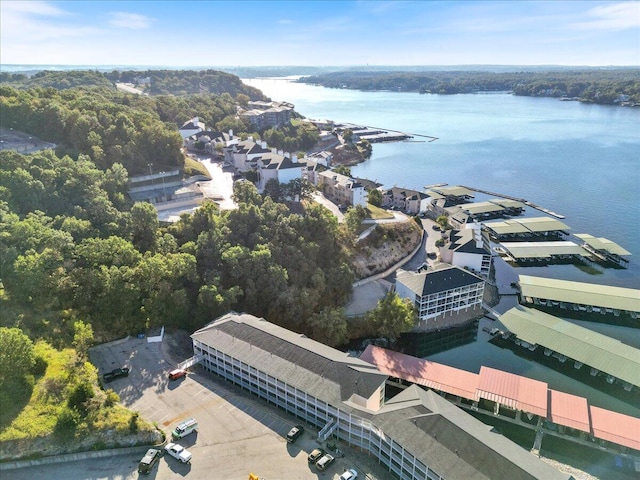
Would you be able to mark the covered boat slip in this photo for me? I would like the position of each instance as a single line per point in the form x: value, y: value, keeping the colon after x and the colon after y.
x: 603, y: 354
x: 526, y: 227
x: 512, y: 391
x: 604, y: 248
x: 544, y: 251
x: 604, y: 297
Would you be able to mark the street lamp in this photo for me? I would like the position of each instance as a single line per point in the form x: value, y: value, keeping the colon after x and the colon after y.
x: 164, y: 193
x: 150, y: 171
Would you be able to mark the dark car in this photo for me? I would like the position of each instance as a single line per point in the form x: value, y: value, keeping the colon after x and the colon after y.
x: 149, y: 460
x: 117, y: 373
x: 436, y: 227
x: 431, y: 255
x: 294, y: 433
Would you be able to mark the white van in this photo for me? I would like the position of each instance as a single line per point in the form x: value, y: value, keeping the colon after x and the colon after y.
x: 185, y: 428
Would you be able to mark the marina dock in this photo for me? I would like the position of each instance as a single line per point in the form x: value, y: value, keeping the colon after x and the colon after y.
x: 526, y: 202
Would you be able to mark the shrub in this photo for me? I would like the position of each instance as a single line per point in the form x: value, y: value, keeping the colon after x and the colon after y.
x: 67, y: 422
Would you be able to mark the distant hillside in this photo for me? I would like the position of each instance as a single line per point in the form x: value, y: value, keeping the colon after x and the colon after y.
x: 605, y: 86
x: 56, y: 79
x: 186, y: 82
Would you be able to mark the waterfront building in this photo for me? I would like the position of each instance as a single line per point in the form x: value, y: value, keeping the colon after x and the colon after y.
x: 543, y: 252
x: 466, y: 250
x: 406, y: 200
x: 263, y: 115
x: 604, y: 356
x: 341, y: 189
x: 448, y: 301
x: 282, y: 168
x: 415, y: 434
x: 587, y: 300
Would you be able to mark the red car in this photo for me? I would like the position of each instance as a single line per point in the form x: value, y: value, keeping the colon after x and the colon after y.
x: 177, y: 373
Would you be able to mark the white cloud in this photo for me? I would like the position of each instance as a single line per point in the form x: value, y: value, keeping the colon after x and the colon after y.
x: 132, y: 21
x: 612, y: 16
x: 285, y: 21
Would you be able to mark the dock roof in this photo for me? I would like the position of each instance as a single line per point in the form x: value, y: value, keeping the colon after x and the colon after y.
x: 543, y: 249
x: 604, y: 296
x: 480, y: 207
x: 506, y: 227
x: 514, y: 391
x: 543, y: 224
x: 604, y: 353
x: 615, y: 427
x: 423, y: 372
x: 569, y: 410
x: 603, y: 244
x: 453, y: 191
x: 507, y: 202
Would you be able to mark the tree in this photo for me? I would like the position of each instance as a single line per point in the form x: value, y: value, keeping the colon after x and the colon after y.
x: 273, y: 189
x: 443, y: 221
x: 82, y: 339
x: 329, y: 326
x: 16, y: 354
x: 354, y: 217
x: 375, y: 197
x: 144, y: 226
x: 392, y: 316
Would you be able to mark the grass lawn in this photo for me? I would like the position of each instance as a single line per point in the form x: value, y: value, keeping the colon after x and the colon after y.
x: 377, y: 213
x: 193, y: 167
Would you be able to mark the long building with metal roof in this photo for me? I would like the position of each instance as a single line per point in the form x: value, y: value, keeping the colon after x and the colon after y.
x: 603, y: 354
x: 588, y: 297
x: 523, y: 229
x: 604, y: 249
x: 543, y: 251
x: 571, y: 415
x: 416, y: 434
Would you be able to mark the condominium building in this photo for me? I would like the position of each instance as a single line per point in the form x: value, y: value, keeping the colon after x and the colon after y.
x: 416, y: 434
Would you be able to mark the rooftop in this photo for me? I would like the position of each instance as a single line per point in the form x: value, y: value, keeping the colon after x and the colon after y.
x: 434, y: 281
x: 604, y: 296
x: 607, y: 354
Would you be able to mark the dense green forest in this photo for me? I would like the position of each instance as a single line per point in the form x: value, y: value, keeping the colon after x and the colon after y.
x: 597, y: 86
x: 71, y: 248
x: 114, y: 127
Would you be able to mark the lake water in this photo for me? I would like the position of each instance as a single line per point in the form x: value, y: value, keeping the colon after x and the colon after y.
x: 579, y: 160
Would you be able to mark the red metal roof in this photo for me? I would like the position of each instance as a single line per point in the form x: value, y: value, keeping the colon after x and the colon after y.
x: 615, y: 427
x: 569, y: 410
x: 514, y: 391
x: 423, y: 372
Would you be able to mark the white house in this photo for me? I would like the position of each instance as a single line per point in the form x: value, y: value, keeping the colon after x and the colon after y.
x: 466, y: 250
x: 191, y: 127
x: 281, y: 167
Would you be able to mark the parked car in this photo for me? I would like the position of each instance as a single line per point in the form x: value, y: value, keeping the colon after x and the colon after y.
x: 350, y: 474
x: 149, y: 460
x: 177, y: 373
x: 116, y: 373
x: 183, y: 429
x: 294, y: 433
x: 432, y: 255
x: 436, y: 227
x: 178, y: 452
x: 315, y: 455
x: 324, y: 462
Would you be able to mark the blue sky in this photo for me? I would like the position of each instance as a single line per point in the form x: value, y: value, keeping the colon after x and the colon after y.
x: 246, y: 33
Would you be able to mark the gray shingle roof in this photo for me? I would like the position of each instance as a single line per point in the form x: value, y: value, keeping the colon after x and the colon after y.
x: 434, y: 281
x: 322, y: 371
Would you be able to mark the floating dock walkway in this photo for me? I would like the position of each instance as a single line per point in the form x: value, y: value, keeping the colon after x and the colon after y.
x: 526, y: 202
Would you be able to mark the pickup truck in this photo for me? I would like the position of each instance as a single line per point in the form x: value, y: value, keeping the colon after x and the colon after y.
x: 117, y: 373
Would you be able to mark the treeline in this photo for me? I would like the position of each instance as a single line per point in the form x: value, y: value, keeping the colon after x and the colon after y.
x: 114, y: 127
x: 187, y: 82
x: 60, y: 80
x: 72, y: 248
x: 599, y: 86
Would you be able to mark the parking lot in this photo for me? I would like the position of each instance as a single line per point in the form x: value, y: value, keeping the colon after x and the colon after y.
x: 237, y: 435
